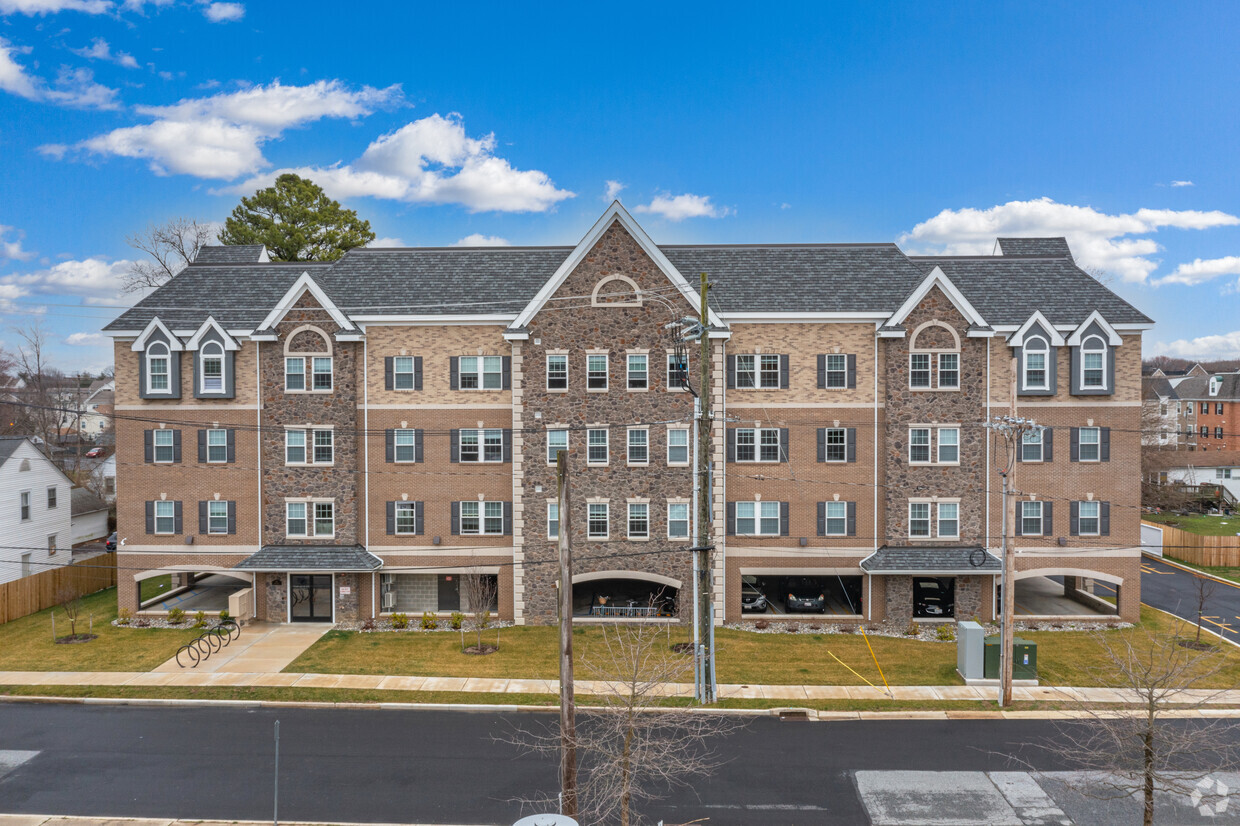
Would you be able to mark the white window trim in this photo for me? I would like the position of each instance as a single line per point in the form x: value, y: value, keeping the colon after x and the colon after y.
x: 938, y: 371
x: 203, y: 355
x: 310, y: 503
x: 29, y: 497
x: 929, y: 372
x: 827, y: 517
x: 482, y: 453
x: 938, y: 519
x: 211, y: 461
x: 688, y: 520
x: 396, y: 445
x: 757, y: 446
x: 606, y: 375
x: 667, y: 373
x: 628, y: 522
x: 1097, y: 519
x: 567, y: 442
x: 304, y: 377
x: 1045, y: 353
x: 309, y: 430
x: 1080, y: 443
x: 938, y: 446
x: 929, y: 535
x: 211, y: 532
x: 481, y: 374
x: 827, y: 446
x: 1041, y: 447
x: 553, y: 504
x: 404, y: 506
x: 607, y: 508
x: 929, y: 445
x: 172, y: 447
x: 607, y: 443
x: 827, y: 371
x: 547, y: 371
x: 412, y: 373
x: 628, y: 371
x: 688, y: 447
x: 482, y: 518
x: 628, y: 447
x: 167, y: 357
x: 1105, y: 378
x: 1041, y: 517
x: 757, y: 518
x: 172, y: 516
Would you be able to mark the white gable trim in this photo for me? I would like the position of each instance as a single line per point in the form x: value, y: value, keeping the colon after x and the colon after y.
x: 615, y: 213
x: 1018, y: 338
x: 230, y: 343
x: 939, y: 279
x: 139, y: 344
x: 301, y: 287
x: 1113, y: 338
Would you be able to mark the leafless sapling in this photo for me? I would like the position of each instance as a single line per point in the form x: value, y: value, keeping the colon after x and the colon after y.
x: 480, y: 592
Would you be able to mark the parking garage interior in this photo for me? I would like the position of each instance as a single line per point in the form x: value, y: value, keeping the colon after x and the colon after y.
x: 623, y: 599
x: 191, y: 592
x: 840, y: 595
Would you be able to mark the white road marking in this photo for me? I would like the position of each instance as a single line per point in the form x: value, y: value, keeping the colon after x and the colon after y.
x: 13, y: 758
x: 1033, y: 805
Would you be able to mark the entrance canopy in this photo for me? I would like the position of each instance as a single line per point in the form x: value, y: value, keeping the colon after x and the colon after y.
x: 931, y: 560
x: 338, y: 558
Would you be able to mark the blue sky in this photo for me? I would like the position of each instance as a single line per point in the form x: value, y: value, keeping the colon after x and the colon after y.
x: 937, y: 126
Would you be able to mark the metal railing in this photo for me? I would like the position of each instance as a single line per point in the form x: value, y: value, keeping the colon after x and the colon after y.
x: 623, y: 611
x: 204, y: 645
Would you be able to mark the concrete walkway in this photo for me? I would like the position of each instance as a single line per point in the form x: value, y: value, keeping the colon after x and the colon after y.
x: 57, y: 820
x: 262, y: 648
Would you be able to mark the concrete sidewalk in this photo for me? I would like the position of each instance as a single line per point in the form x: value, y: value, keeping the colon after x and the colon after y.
x: 57, y: 820
x: 263, y: 648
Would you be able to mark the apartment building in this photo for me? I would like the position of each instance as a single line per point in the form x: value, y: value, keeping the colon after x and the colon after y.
x: 1215, y: 402
x: 350, y: 439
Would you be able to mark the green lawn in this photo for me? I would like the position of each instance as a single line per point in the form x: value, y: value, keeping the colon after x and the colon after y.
x: 1225, y: 572
x: 26, y: 643
x: 153, y: 587
x: 1199, y: 524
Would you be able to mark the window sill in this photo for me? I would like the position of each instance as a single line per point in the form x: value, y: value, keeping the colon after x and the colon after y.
x: 935, y: 389
x: 598, y: 464
x: 308, y: 392
x: 309, y: 464
x: 596, y: 389
x: 637, y: 464
x: 598, y: 538
x: 677, y: 464
x: 638, y: 538
x: 557, y: 389
x: 491, y: 535
x: 637, y: 389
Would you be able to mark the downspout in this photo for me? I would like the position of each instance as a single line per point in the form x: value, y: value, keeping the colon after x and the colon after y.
x: 366, y: 457
x: 993, y: 608
x: 258, y: 417
x: 869, y: 579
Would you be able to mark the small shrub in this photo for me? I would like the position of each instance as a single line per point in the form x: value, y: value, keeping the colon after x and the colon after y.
x: 200, y: 618
x: 945, y: 633
x: 401, y: 621
x: 458, y: 619
x: 429, y: 622
x: 368, y: 624
x: 175, y: 616
x: 847, y: 629
x: 124, y: 616
x: 199, y: 624
x: 762, y: 625
x: 225, y: 616
x: 792, y: 628
x: 813, y: 626
x: 913, y: 629
x: 142, y: 623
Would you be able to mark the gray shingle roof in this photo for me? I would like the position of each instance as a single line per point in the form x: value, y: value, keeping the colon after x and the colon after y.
x: 230, y: 254
x: 1158, y: 388
x: 83, y: 501
x: 8, y: 444
x: 1045, y: 247
x: 310, y: 558
x: 1197, y: 388
x: 962, y: 560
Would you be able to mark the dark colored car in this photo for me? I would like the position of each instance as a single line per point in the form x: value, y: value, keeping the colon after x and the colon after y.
x: 110, y: 542
x: 805, y: 596
x: 752, y: 598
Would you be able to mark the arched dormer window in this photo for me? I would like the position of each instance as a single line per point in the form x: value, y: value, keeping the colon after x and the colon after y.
x: 307, y: 361
x: 1036, y: 353
x: 158, y: 368
x: 25, y: 465
x: 212, y: 371
x: 1094, y: 363
x: 616, y: 291
x: 934, y: 357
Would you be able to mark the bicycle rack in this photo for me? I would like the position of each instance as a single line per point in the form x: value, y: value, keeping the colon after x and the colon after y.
x: 207, y: 643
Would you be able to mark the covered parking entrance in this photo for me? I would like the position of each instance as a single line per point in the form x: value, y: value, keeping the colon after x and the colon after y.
x: 803, y: 591
x: 625, y: 595
x: 163, y: 589
x: 1058, y: 593
x: 935, y: 583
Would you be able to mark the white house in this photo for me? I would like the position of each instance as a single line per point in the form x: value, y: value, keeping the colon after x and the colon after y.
x: 103, y: 478
x: 35, y: 511
x: 1212, y: 467
x: 90, y: 516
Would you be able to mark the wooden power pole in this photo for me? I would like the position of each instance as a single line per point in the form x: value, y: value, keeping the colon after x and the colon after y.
x: 705, y: 612
x: 568, y: 708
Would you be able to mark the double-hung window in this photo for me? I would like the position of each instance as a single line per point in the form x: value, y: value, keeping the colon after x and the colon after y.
x: 677, y: 372
x: 165, y: 516
x: 322, y: 366
x: 836, y: 371
x: 1031, y: 518
x: 1205, y: 432
x: 919, y: 370
x: 919, y: 520
x: 212, y: 356
x: 836, y: 444
x: 163, y: 441
x: 597, y: 520
x: 405, y: 445
x: 485, y: 518
x: 639, y: 520
x: 949, y: 520
x: 639, y: 371
x: 157, y: 380
x: 949, y: 445
x: 217, y: 446
x: 1218, y: 432
x: 322, y: 447
x: 482, y: 372
x: 295, y: 373
x: 1218, y: 408
x: 678, y: 520
x: 597, y: 446
x: 757, y: 444
x: 1089, y: 440
x: 217, y: 517
x: 1031, y: 445
x: 402, y: 373
x: 557, y: 440
x: 678, y: 446
x: 25, y: 506
x: 757, y: 518
x: 51, y: 498
x: 836, y: 523
x: 596, y: 371
x: 1093, y: 363
x: 553, y: 520
x: 1205, y: 408
x: 768, y: 371
x: 949, y: 371
x: 1088, y: 518
x: 639, y: 446
x: 557, y: 372
x: 1035, y: 363
x: 294, y: 447
x: 310, y: 519
x: 746, y: 371
x: 406, y: 517
x: 308, y: 447
x: 919, y: 445
x: 482, y: 445
x: 1222, y: 473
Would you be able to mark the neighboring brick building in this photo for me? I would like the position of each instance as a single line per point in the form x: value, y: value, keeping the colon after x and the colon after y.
x: 1215, y: 401
x: 351, y: 438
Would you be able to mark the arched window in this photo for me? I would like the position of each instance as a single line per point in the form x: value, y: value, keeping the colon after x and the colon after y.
x: 1036, y: 352
x: 616, y: 291
x: 157, y: 368
x: 25, y: 465
x: 212, y: 370
x: 1093, y: 363
x: 934, y: 357
x: 307, y: 361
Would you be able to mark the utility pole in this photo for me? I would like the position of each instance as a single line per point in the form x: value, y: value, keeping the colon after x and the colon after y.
x: 568, y: 707
x: 701, y: 540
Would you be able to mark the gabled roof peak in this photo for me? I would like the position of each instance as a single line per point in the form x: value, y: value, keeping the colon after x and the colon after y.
x: 304, y: 284
x: 936, y: 278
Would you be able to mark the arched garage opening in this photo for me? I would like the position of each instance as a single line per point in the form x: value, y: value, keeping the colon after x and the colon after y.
x: 625, y: 595
x: 203, y: 589
x: 1067, y: 592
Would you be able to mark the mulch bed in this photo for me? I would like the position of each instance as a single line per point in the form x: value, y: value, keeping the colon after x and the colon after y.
x: 76, y: 638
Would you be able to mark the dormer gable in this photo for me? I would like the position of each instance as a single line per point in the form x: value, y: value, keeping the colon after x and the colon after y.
x: 1038, y: 325
x: 1093, y: 346
x: 937, y: 278
x: 211, y: 330
x: 159, y: 362
x: 156, y: 330
x: 1034, y: 346
x: 305, y: 284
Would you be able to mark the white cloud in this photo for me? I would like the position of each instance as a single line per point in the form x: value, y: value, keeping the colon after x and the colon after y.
x: 1182, y: 183
x: 612, y: 191
x: 477, y: 239
x: 1202, y: 270
x: 12, y: 250
x: 13, y: 77
x: 680, y: 207
x: 431, y: 161
x: 87, y: 340
x: 223, y: 12
x: 387, y: 242
x: 41, y: 7
x: 221, y: 136
x: 73, y: 87
x: 1098, y: 240
x: 99, y: 49
x: 94, y: 280
x: 140, y: 5
x: 1224, y: 346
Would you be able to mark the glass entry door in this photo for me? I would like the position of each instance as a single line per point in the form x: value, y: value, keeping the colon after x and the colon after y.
x: 310, y: 597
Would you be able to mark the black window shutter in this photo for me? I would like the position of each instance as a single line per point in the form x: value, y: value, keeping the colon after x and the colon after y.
x: 417, y: 445
x: 1104, y: 444
x: 507, y: 374
x: 1074, y: 520
x: 454, y: 373
x: 822, y: 372
x: 389, y: 445
x: 232, y: 517
x: 232, y: 444
x: 454, y: 445
x: 456, y: 518
x: 178, y: 524
x: 148, y: 445
x: 202, y: 517
x: 417, y: 372
x: 1017, y: 509
x: 852, y: 372
x: 1075, y: 445
x: 852, y: 518
x: 731, y: 372
x: 417, y: 517
x: 1048, y: 444
x: 852, y: 444
x: 202, y: 445
x: 822, y: 515
x: 507, y: 444
x: 784, y: 371
x: 389, y: 378
x: 731, y: 517
x: 1048, y: 518
x: 507, y: 519
x: 783, y: 444
x: 1104, y: 519
x: 731, y: 444
x: 784, y: 508
x: 822, y: 444
x: 176, y: 445
x: 150, y: 517
x: 391, y: 518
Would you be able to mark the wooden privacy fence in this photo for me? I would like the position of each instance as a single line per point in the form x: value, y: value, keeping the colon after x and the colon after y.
x: 1221, y: 551
x: 33, y: 593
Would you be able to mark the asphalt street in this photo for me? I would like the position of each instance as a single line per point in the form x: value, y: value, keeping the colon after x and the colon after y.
x: 1175, y: 590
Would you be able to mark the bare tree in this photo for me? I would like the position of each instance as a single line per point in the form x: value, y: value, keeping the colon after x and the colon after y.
x: 1205, y: 587
x: 480, y: 591
x: 71, y: 603
x: 633, y: 749
x: 171, y: 246
x: 43, y: 386
x: 1140, y: 750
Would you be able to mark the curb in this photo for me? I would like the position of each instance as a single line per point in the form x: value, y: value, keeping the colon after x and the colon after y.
x: 1193, y: 571
x: 1215, y: 634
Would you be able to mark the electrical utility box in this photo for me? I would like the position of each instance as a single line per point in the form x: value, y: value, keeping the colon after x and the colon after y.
x: 1024, y: 659
x: 969, y: 643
